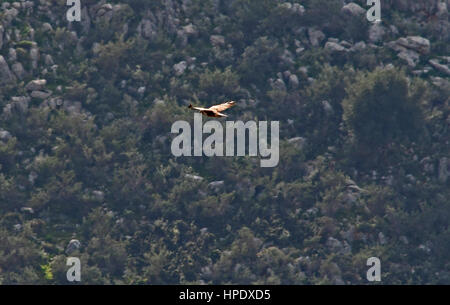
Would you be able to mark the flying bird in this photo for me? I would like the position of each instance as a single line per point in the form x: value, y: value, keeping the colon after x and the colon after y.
x: 214, y: 111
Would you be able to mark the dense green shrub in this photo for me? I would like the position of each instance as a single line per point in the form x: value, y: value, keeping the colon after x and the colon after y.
x: 382, y: 107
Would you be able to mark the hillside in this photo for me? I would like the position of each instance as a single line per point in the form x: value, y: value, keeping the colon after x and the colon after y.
x: 86, y: 168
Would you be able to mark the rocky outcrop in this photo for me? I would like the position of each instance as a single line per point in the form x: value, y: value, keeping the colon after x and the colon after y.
x: 98, y: 195
x: 439, y: 67
x: 193, y: 177
x: 315, y: 36
x: 298, y: 142
x: 216, y: 186
x: 295, y: 8
x: 18, y: 70
x: 411, y: 57
x: 410, y: 48
x: 376, y: 32
x: 185, y: 33
x: 6, y: 76
x: 73, y: 246
x: 293, y: 81
x: 353, y: 9
x: 37, y: 84
x: 415, y: 43
x: 217, y: 40
x: 180, y: 67
x: 5, y: 135
x: 147, y: 29
x: 41, y: 95
x: 334, y: 47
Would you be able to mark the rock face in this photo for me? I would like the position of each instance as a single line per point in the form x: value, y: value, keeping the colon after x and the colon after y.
x: 293, y: 81
x: 5, y: 135
x: 411, y: 57
x: 298, y: 142
x: 48, y: 59
x: 194, y: 177
x: 353, y: 9
x: 334, y: 47
x: 141, y: 90
x: 415, y: 43
x: 27, y: 210
x: 315, y: 37
x: 12, y: 54
x: 72, y: 107
x: 287, y: 58
x: 217, y: 40
x: 47, y: 27
x: 41, y: 95
x: 98, y: 195
x: 10, y: 14
x: 298, y: 9
x: 410, y: 48
x: 442, y: 10
x: 439, y: 67
x: 34, y: 56
x: 85, y: 20
x: 376, y: 32
x: 216, y: 186
x: 147, y: 29
x: 185, y: 33
x: 180, y: 67
x: 73, y: 245
x: 18, y: 70
x: 190, y: 30
x: 19, y: 104
x: 279, y: 85
x: 6, y: 76
x: 359, y: 46
x: 337, y: 246
x: 441, y: 83
x: 37, y: 84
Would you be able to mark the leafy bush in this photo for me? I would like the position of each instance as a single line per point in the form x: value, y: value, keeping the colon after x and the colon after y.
x: 382, y: 108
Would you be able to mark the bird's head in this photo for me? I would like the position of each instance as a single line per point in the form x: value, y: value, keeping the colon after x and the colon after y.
x: 190, y: 106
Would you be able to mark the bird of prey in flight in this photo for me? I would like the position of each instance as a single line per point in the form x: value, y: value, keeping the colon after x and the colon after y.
x: 214, y: 111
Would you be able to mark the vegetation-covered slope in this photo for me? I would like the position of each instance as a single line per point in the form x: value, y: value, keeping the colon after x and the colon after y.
x: 85, y: 115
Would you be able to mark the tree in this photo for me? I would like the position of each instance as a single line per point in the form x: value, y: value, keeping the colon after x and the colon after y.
x: 217, y: 84
x: 259, y: 60
x: 382, y: 107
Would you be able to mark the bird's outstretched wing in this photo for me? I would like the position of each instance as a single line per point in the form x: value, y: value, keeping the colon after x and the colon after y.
x: 222, y: 107
x: 199, y: 108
